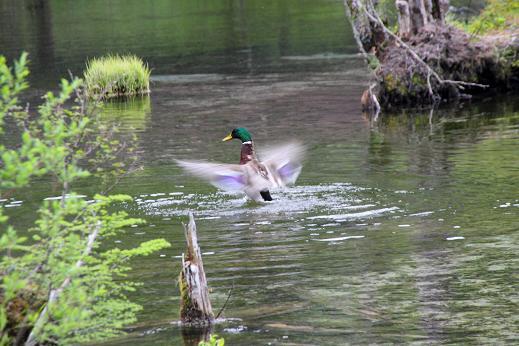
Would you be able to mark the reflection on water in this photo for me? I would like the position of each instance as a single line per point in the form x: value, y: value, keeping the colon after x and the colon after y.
x: 181, y: 36
x: 403, y: 230
x: 130, y: 113
x: 399, y: 230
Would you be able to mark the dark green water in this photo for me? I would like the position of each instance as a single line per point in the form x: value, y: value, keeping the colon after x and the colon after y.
x: 403, y: 230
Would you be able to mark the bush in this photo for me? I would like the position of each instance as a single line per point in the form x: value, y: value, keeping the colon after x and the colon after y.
x: 497, y: 15
x: 116, y: 75
x: 57, y: 284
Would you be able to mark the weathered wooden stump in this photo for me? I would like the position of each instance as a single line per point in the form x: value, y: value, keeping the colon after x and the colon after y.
x: 195, y: 306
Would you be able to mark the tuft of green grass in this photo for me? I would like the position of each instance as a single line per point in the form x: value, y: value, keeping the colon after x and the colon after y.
x: 117, y: 75
x: 497, y: 15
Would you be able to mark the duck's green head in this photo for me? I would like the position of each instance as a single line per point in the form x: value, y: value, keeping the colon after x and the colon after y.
x: 240, y: 133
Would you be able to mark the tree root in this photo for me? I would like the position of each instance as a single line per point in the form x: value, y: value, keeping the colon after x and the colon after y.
x: 433, y: 63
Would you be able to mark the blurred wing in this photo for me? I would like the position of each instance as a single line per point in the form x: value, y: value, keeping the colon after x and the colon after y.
x: 284, y: 162
x: 223, y: 176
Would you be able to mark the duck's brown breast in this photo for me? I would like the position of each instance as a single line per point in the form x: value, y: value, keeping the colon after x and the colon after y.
x: 247, y: 153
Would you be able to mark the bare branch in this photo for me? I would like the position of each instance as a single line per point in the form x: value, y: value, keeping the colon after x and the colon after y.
x: 225, y: 304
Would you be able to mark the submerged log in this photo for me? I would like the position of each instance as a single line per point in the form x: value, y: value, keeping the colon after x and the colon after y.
x: 195, y: 306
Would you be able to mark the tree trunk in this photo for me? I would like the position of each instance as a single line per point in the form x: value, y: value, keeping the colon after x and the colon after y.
x: 195, y: 306
x: 368, y: 33
x: 414, y: 15
x: 427, y: 62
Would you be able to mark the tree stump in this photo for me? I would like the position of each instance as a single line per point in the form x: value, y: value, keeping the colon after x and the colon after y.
x: 195, y: 306
x: 428, y: 61
x: 413, y: 15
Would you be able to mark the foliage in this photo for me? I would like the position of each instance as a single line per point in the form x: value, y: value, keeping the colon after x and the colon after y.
x: 213, y: 341
x: 386, y: 9
x: 497, y: 15
x: 62, y: 283
x: 116, y: 75
x: 11, y: 84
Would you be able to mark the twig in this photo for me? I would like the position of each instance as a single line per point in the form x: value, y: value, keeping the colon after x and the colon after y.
x: 431, y: 93
x: 460, y: 83
x: 431, y: 113
x: 79, y: 97
x: 225, y: 304
x: 375, y: 101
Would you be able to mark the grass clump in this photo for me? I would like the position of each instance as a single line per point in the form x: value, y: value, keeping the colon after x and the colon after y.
x: 117, y: 75
x: 498, y: 15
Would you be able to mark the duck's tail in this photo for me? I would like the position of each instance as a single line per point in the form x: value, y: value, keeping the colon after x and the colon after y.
x: 266, y: 195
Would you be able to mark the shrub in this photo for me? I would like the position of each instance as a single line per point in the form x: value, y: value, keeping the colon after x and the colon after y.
x: 57, y: 284
x: 497, y: 15
x: 116, y: 75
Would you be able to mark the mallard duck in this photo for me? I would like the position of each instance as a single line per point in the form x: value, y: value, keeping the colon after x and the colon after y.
x: 281, y: 166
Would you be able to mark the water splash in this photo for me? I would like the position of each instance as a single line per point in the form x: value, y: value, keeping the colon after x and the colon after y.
x: 306, y: 202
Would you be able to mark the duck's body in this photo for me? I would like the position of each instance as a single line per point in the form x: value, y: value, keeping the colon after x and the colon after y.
x: 248, y: 156
x: 281, y: 167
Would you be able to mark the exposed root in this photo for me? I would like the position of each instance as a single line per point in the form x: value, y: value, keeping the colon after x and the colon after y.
x: 430, y: 62
x: 444, y: 63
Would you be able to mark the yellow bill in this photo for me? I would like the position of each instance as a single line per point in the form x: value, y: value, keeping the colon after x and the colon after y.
x: 228, y: 138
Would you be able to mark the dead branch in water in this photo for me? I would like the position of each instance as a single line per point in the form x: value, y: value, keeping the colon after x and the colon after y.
x: 226, y: 301
x: 370, y: 102
x: 195, y: 306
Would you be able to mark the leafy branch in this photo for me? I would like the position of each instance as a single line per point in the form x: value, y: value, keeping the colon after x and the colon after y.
x: 61, y: 286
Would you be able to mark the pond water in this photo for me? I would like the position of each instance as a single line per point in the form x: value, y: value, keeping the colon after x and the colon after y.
x: 399, y: 230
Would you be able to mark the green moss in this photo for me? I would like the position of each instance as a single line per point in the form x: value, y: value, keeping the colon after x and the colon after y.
x: 418, y: 80
x: 393, y: 85
x: 116, y: 75
x: 509, y: 64
x: 185, y: 302
x: 390, y: 82
x: 402, y: 89
x: 373, y: 62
